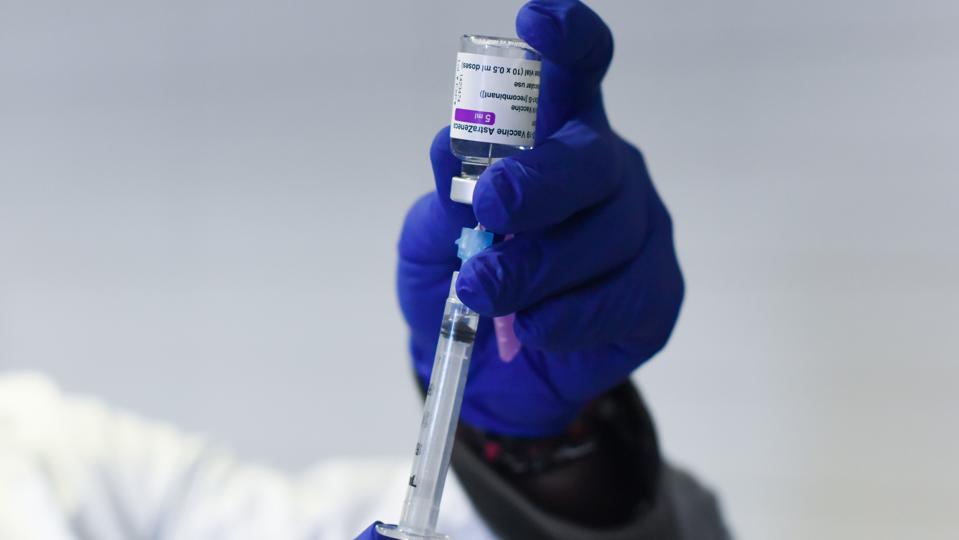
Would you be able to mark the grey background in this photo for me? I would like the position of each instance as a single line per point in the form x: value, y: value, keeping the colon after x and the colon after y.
x: 199, y: 203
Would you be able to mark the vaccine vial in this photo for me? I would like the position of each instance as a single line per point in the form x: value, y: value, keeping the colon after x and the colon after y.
x: 495, y: 98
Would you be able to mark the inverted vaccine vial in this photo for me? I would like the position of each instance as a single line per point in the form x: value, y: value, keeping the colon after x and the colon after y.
x: 495, y: 98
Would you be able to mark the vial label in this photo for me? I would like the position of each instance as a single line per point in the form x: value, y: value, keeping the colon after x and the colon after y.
x: 495, y: 99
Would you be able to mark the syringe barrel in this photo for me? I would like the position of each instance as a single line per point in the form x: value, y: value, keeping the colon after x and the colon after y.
x: 440, y: 416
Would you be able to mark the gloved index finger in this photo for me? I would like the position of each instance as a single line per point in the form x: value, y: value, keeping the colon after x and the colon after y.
x: 577, y: 47
x: 573, y: 170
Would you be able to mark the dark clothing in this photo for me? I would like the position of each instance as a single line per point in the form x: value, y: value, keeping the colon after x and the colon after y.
x: 656, y: 500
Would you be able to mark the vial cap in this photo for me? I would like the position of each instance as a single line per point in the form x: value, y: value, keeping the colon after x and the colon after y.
x: 461, y: 190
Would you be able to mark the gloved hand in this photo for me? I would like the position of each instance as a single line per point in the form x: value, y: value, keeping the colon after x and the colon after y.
x: 370, y: 534
x: 591, y: 272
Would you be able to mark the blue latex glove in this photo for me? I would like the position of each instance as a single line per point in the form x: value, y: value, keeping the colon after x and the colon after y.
x: 591, y: 272
x: 371, y: 534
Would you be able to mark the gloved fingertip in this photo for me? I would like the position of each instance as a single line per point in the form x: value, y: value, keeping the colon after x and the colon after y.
x: 370, y: 533
x: 538, y: 23
x: 488, y: 204
x: 477, y: 286
x: 566, y: 32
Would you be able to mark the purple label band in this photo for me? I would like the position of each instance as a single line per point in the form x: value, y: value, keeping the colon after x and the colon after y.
x: 474, y: 117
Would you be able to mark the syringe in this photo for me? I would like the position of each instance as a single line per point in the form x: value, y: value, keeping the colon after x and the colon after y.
x: 441, y: 412
x: 484, y: 64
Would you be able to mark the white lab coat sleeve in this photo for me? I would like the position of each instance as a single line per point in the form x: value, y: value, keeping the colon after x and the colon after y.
x: 72, y: 468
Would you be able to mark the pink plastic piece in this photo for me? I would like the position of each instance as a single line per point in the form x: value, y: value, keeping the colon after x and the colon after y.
x: 506, y: 340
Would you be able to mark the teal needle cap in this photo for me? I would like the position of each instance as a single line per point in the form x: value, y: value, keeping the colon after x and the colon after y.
x: 471, y: 242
